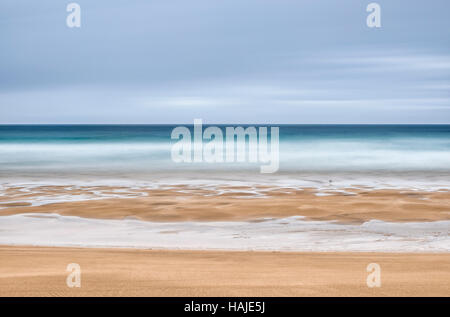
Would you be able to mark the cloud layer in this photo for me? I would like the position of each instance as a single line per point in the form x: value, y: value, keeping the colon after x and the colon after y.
x: 274, y: 61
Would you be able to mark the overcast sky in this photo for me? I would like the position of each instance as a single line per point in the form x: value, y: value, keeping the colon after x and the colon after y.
x: 225, y: 61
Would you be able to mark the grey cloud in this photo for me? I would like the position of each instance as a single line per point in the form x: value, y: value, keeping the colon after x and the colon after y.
x: 255, y: 60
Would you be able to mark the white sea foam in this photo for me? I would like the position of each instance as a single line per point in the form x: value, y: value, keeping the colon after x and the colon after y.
x: 288, y: 234
x: 325, y: 184
x: 296, y: 155
x: 34, y: 189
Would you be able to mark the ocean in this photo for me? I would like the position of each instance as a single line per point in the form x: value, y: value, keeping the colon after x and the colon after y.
x: 121, y: 150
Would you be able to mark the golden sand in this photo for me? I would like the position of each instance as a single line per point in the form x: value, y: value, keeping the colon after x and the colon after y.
x: 41, y: 271
x: 182, y: 203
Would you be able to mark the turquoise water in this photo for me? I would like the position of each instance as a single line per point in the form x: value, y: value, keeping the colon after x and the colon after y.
x: 97, y: 149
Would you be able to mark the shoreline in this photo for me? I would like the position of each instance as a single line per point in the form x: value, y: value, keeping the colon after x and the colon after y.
x: 182, y: 203
x: 41, y: 271
x: 227, y: 218
x: 161, y: 249
x: 284, y: 234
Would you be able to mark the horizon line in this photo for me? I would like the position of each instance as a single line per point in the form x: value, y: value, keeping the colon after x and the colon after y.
x: 206, y: 123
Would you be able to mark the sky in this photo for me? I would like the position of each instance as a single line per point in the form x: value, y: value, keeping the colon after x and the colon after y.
x: 224, y: 61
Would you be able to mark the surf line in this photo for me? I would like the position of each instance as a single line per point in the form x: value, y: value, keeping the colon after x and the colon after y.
x: 249, y: 144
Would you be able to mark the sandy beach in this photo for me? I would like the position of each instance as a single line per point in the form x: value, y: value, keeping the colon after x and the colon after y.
x: 185, y: 203
x: 172, y: 217
x: 40, y: 271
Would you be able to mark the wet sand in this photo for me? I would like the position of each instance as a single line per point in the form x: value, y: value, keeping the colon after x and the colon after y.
x: 182, y: 203
x: 41, y: 271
